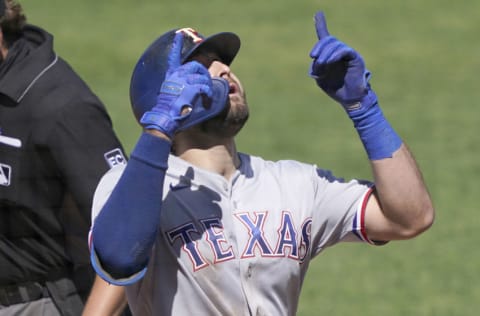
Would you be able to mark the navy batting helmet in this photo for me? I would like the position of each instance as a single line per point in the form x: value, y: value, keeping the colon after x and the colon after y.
x: 149, y: 72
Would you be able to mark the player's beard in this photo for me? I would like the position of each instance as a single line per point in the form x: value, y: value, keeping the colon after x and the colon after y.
x: 230, y: 121
x: 220, y: 129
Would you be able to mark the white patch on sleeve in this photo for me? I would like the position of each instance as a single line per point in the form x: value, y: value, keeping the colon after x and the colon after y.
x: 115, y: 157
x: 5, y: 174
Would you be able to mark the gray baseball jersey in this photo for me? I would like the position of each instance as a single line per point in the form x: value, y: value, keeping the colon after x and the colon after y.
x: 241, y: 246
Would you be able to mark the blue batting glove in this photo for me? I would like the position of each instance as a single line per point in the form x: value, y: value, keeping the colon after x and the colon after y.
x: 184, y: 87
x: 338, y: 69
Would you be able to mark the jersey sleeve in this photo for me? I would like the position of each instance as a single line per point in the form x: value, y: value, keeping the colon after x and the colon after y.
x: 338, y: 210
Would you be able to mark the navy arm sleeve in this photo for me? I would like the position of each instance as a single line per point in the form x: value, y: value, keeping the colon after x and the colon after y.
x: 125, y: 230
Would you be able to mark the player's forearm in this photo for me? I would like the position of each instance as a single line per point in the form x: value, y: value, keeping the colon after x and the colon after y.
x: 402, y: 194
x: 105, y: 299
x: 124, y: 231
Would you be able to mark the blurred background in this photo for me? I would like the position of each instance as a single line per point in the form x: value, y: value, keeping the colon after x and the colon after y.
x: 424, y: 57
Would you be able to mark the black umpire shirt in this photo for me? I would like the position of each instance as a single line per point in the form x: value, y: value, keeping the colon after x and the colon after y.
x: 47, y: 182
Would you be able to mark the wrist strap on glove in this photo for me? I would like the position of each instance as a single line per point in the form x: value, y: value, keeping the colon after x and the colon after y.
x: 378, y: 137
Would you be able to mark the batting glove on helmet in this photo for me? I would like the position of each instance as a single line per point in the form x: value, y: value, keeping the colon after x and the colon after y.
x: 184, y: 95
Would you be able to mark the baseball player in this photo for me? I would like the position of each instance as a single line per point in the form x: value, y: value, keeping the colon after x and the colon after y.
x: 191, y: 226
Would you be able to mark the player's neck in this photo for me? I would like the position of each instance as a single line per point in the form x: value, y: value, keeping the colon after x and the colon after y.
x: 221, y: 158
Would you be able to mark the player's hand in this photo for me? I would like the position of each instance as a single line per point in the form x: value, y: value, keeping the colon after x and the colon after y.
x: 185, y: 87
x: 337, y: 68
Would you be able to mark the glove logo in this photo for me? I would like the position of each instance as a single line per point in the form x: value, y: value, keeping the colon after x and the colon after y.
x: 172, y: 88
x: 354, y: 106
x: 193, y: 34
x: 5, y: 174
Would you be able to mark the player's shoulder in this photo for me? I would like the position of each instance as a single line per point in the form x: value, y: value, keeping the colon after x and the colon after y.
x: 114, y: 173
x: 110, y: 178
x: 294, y: 170
x: 105, y: 187
x: 283, y: 166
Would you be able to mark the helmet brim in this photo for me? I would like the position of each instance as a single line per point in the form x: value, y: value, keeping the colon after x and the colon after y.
x: 226, y: 45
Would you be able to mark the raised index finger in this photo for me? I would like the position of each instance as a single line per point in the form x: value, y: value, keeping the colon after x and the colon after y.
x: 175, y: 55
x: 321, y: 25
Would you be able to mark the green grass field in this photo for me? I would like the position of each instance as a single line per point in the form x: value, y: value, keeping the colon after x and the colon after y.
x: 424, y: 57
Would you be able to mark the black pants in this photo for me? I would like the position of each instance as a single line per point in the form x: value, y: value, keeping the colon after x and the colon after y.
x: 41, y: 307
x: 36, y: 296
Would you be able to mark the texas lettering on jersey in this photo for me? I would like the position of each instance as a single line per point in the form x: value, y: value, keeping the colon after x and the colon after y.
x: 291, y: 241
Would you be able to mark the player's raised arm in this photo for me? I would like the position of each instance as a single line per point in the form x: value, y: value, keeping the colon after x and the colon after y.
x: 124, y: 232
x: 401, y: 207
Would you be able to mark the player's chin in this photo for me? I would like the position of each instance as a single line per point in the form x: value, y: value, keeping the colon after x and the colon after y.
x: 229, y: 122
x: 237, y: 111
x: 237, y: 118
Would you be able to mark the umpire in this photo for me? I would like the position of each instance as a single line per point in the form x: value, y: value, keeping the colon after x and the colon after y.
x: 56, y: 141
